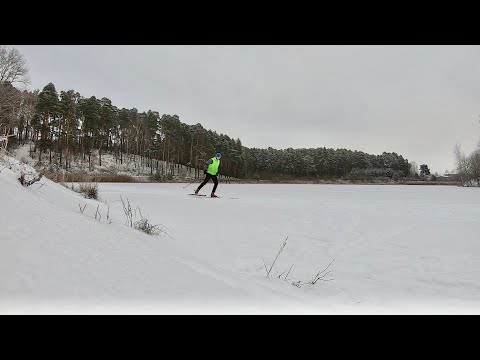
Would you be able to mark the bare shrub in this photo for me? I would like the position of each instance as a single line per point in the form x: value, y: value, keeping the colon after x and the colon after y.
x: 98, y: 178
x: 279, y: 252
x: 90, y: 191
x: 319, y: 276
x: 33, y: 179
x: 143, y: 224
x: 147, y: 228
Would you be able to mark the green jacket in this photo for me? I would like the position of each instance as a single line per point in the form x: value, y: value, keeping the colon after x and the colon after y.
x: 212, y: 166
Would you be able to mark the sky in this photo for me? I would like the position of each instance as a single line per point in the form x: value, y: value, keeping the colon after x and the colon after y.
x: 418, y: 101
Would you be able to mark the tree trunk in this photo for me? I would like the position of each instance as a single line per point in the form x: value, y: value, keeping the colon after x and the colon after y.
x: 191, y: 150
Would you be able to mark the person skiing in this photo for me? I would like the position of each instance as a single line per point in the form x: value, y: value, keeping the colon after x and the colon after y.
x: 210, y: 171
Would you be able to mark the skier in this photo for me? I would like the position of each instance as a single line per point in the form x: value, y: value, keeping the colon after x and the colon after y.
x: 210, y: 171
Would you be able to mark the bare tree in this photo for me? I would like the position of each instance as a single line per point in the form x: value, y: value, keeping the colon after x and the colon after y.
x: 13, y: 71
x: 25, y: 115
x: 10, y: 102
x: 413, y: 168
x: 461, y: 163
x: 474, y: 160
x: 468, y: 167
x: 13, y: 67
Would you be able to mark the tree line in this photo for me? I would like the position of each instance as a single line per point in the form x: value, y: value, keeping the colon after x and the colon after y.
x: 65, y: 125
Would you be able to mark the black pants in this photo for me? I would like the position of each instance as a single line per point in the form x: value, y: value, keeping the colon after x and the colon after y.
x: 207, y: 178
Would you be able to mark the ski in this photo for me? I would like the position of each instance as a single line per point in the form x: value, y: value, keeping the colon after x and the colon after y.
x: 221, y: 197
x: 218, y: 197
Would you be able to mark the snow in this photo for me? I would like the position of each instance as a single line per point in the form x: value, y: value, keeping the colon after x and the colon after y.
x: 131, y: 165
x: 396, y: 249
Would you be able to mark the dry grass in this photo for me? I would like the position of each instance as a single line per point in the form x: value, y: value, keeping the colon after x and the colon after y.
x: 61, y: 177
x: 89, y: 190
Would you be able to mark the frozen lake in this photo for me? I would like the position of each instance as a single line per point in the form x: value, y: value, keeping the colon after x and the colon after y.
x: 401, y: 246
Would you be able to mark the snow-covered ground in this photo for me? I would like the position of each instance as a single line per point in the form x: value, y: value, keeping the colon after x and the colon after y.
x: 396, y: 249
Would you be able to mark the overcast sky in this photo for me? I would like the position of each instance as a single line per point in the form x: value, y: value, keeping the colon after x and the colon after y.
x: 418, y: 101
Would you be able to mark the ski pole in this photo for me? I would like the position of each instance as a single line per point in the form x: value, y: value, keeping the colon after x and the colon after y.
x: 189, y: 184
